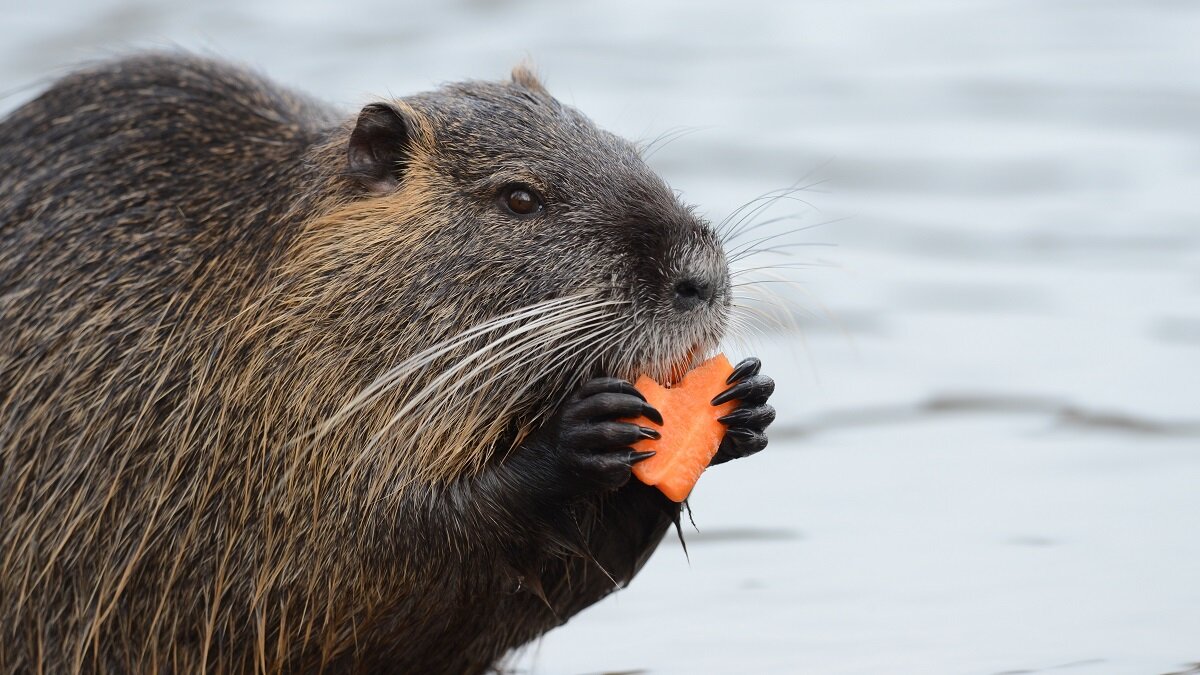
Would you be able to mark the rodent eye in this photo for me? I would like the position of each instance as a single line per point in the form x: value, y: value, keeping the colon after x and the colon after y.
x: 521, y: 200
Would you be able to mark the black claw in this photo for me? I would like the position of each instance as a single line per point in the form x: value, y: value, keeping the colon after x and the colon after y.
x: 753, y: 417
x: 755, y: 389
x: 589, y: 442
x: 736, y: 418
x: 608, y: 385
x: 607, y: 406
x: 748, y: 366
x: 652, y: 414
x: 600, y: 436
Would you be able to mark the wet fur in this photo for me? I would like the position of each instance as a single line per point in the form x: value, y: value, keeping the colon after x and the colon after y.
x: 194, y: 293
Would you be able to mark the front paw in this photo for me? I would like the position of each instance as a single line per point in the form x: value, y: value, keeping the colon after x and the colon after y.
x: 591, y: 450
x: 746, y: 432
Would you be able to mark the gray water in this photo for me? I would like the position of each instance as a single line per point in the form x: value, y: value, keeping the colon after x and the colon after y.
x: 987, y: 458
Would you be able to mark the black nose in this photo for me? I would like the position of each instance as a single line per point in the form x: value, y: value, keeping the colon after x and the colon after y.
x: 692, y: 292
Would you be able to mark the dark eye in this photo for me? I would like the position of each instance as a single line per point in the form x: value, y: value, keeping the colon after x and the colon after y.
x: 521, y: 200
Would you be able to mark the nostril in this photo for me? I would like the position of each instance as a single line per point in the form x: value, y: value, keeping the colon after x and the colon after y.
x: 690, y: 293
x: 687, y: 289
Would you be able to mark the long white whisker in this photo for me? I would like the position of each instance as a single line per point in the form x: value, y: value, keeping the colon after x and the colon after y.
x: 775, y: 303
x: 752, y: 226
x: 531, y: 354
x: 785, y: 266
x: 728, y: 224
x: 412, y: 401
x: 429, y: 354
x: 755, y: 245
x: 555, y: 350
x: 501, y: 413
x: 729, y: 232
x: 528, y: 351
x: 597, y: 336
x: 746, y: 221
x: 384, y: 382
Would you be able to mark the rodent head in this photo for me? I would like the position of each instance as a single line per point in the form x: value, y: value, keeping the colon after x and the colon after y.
x: 557, y: 207
x: 487, y: 249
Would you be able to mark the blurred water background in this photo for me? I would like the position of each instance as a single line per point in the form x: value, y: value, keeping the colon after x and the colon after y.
x: 987, y: 458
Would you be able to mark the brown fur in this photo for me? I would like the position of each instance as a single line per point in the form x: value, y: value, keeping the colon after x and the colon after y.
x: 194, y: 297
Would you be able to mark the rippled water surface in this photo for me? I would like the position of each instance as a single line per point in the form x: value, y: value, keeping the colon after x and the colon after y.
x: 987, y: 458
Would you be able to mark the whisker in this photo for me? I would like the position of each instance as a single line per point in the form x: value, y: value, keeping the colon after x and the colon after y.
x: 529, y: 354
x: 763, y: 223
x: 784, y: 247
x: 597, y: 336
x: 526, y: 353
x: 664, y: 139
x: 423, y: 358
x: 772, y: 309
x: 738, y: 228
x: 739, y: 253
x: 755, y: 282
x: 784, y: 266
x: 766, y: 196
x: 729, y: 233
x: 415, y: 399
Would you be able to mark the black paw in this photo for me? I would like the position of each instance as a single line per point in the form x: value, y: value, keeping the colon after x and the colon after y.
x: 747, y: 424
x: 592, y: 446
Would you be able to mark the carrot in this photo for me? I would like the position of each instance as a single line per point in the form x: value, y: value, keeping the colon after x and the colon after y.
x: 690, y: 431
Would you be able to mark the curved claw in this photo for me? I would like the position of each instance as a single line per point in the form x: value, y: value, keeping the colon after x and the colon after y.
x: 637, y: 456
x: 744, y: 368
x: 609, y: 405
x: 587, y: 446
x: 746, y: 425
x: 603, y: 435
x: 751, y: 417
x: 754, y: 390
x: 607, y: 385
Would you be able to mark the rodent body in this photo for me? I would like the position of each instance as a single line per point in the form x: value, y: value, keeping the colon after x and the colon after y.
x: 281, y: 392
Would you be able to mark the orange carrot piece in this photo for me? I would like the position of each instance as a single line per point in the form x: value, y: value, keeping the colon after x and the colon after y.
x: 690, y: 431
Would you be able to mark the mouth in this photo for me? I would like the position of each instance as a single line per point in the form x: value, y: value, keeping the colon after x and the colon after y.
x: 695, y: 355
x: 668, y: 355
x: 671, y: 344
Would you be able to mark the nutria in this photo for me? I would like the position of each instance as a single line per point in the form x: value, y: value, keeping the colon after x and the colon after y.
x: 282, y: 392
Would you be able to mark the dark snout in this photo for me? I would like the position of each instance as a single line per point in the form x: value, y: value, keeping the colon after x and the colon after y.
x: 682, y: 295
x: 679, y: 259
x: 695, y: 290
x: 702, y: 281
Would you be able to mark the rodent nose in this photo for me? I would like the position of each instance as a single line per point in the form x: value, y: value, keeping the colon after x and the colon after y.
x: 692, y: 292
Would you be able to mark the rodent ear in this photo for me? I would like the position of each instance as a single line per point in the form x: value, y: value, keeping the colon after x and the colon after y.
x: 523, y: 76
x: 379, y: 147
